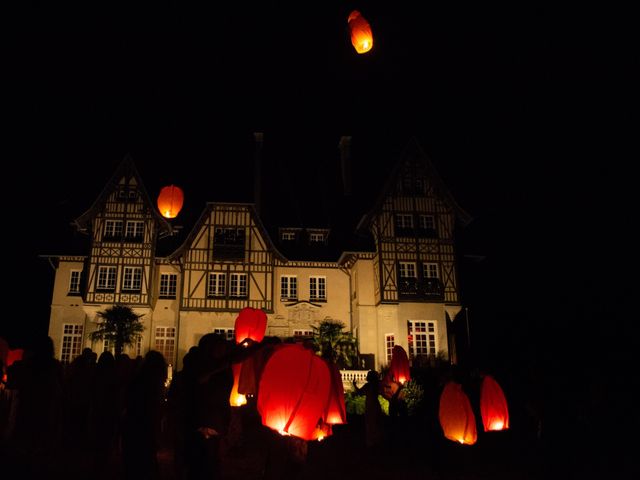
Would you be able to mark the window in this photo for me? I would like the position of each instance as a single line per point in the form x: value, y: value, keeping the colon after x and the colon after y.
x: 288, y: 236
x: 74, y: 282
x: 106, y: 278
x: 134, y: 230
x: 318, y: 288
x: 238, y: 285
x: 71, y: 342
x: 138, y: 346
x: 132, y: 279
x: 166, y: 342
x: 427, y: 222
x: 389, y: 343
x: 108, y: 346
x: 316, y: 237
x: 216, y: 285
x: 227, y: 333
x: 422, y: 338
x: 430, y: 270
x: 303, y: 333
x: 427, y: 226
x: 112, y: 229
x: 403, y: 224
x: 168, y: 285
x: 288, y: 287
x: 407, y: 270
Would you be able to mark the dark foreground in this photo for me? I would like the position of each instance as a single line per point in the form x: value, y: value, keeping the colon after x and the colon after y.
x: 412, y: 450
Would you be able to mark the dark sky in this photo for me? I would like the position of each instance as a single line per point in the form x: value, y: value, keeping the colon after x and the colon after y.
x: 521, y: 108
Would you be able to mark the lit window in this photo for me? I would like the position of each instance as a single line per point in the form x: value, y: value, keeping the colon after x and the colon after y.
x: 389, y: 343
x: 422, y: 338
x: 217, y: 284
x: 238, y: 285
x: 74, y: 282
x: 407, y: 270
x: 288, y: 287
x: 166, y: 342
x: 168, y: 285
x: 430, y: 270
x: 132, y: 279
x: 317, y: 288
x: 106, y: 278
x: 71, y: 342
x: 316, y: 237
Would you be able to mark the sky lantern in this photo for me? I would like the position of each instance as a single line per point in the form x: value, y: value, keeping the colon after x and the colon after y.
x: 493, y: 405
x: 250, y: 323
x: 335, y: 412
x: 170, y: 201
x: 361, y: 36
x: 13, y: 355
x: 236, y: 399
x: 399, y: 367
x: 456, y: 416
x: 293, y: 392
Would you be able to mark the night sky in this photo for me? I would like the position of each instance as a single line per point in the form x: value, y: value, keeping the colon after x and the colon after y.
x: 522, y: 109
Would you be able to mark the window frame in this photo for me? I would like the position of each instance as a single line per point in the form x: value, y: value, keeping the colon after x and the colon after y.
x: 107, y: 287
x: 169, y: 286
x: 290, y: 291
x: 321, y: 285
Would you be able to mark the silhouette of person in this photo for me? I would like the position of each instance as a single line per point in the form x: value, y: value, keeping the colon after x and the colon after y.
x: 373, y: 414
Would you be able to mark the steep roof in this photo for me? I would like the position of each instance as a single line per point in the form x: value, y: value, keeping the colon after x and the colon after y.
x: 127, y: 170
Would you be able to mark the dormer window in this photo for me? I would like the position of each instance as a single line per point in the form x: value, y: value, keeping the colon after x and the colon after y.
x: 288, y: 236
x: 127, y: 194
x: 318, y: 237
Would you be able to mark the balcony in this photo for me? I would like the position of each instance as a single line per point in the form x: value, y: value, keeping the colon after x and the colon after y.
x: 424, y: 289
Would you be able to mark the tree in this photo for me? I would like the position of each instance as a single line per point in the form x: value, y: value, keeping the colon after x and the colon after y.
x: 332, y: 342
x: 118, y: 324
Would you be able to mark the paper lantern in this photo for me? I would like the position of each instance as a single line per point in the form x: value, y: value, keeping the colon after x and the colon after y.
x: 493, y: 406
x: 399, y: 367
x: 456, y: 416
x: 252, y: 368
x: 336, y: 412
x: 14, y: 356
x: 170, y: 201
x: 250, y: 323
x: 293, y: 392
x: 236, y: 399
x: 361, y: 36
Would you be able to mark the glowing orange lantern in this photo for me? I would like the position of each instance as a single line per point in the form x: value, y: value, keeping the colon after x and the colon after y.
x: 493, y: 405
x: 293, y: 392
x: 236, y: 399
x: 456, y: 416
x: 335, y: 412
x: 251, y: 323
x: 361, y: 36
x: 170, y: 201
x: 399, y: 368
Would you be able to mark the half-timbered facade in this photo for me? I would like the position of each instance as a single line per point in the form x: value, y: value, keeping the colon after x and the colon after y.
x: 401, y: 290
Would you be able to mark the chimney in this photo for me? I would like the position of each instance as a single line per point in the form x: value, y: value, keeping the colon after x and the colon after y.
x: 257, y: 178
x: 345, y: 163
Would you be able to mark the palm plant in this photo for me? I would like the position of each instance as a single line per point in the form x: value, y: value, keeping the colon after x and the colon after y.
x: 332, y: 342
x: 118, y: 324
